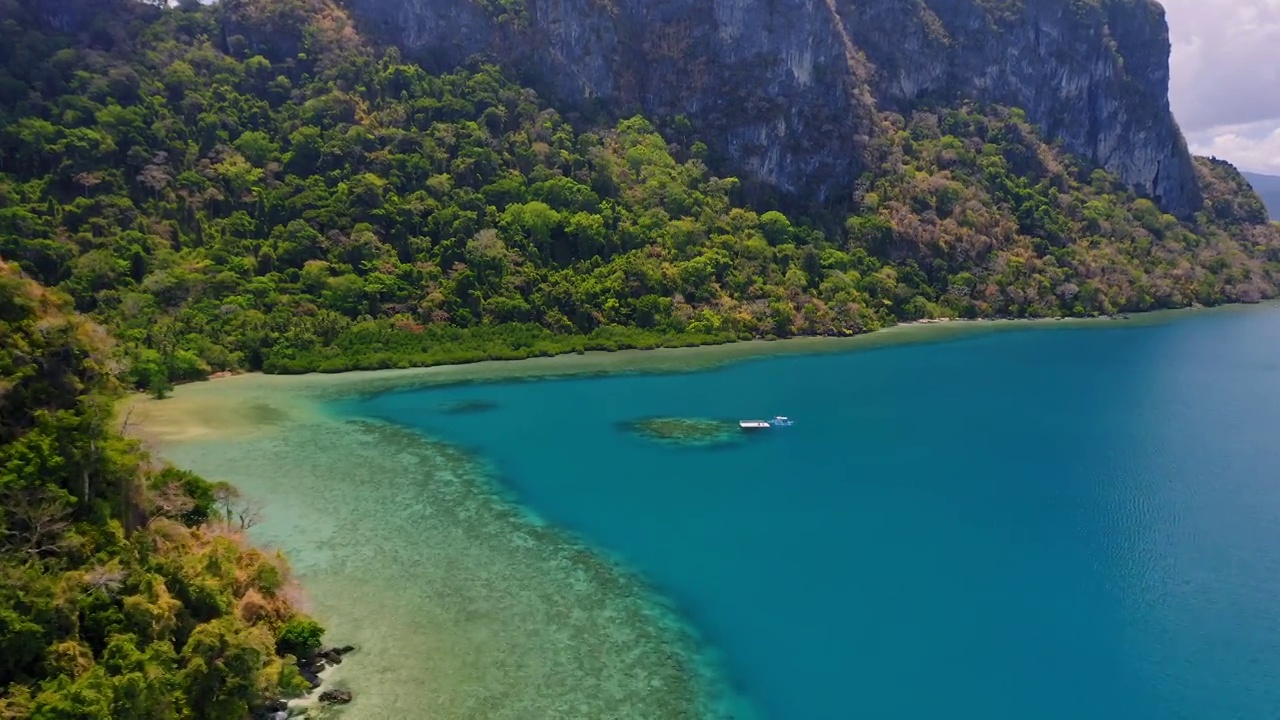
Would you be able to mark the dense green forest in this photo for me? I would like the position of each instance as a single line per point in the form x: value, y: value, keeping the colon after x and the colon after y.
x: 251, y: 185
x: 126, y: 591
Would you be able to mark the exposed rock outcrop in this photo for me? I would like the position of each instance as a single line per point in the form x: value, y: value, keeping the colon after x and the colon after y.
x: 335, y: 697
x: 787, y: 91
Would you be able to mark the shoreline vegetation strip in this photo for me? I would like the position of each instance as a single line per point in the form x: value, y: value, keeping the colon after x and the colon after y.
x: 196, y: 409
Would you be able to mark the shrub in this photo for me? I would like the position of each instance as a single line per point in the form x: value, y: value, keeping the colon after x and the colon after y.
x: 300, y: 637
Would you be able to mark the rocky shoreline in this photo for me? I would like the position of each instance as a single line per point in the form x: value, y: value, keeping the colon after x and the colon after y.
x: 313, y: 669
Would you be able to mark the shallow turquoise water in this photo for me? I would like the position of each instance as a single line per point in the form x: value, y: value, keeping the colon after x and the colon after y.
x: 1050, y: 523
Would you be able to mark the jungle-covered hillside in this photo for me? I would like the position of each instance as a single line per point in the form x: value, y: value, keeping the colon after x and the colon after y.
x: 126, y: 590
x: 252, y: 185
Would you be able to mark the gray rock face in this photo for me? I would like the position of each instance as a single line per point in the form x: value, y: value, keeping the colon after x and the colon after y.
x: 787, y: 91
x: 1097, y: 77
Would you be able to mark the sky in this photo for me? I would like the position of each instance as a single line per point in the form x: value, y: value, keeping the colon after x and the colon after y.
x: 1225, y: 86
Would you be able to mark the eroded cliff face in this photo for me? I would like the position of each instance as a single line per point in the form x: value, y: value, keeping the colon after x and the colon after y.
x: 788, y: 91
x: 1094, y: 74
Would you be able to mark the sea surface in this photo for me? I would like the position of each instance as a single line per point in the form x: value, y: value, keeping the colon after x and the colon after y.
x: 1056, y: 522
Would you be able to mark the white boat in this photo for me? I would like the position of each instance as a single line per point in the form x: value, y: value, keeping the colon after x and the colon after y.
x: 778, y: 421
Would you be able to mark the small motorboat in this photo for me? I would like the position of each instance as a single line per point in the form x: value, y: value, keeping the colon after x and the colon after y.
x: 778, y: 421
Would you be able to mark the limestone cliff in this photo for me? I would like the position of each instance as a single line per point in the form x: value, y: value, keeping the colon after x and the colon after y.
x: 788, y: 92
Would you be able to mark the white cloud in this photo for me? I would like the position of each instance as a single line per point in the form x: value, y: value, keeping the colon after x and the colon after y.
x: 1226, y: 61
x: 1254, y: 147
x: 1225, y: 85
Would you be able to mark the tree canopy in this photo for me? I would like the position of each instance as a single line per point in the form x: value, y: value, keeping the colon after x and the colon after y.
x: 123, y: 596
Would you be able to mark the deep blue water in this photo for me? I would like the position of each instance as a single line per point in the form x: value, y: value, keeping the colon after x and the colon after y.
x: 1050, y: 523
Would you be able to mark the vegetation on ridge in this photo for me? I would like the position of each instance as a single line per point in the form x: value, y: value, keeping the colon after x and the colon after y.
x: 249, y: 185
x: 125, y: 591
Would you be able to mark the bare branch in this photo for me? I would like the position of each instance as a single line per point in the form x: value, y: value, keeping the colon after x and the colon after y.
x: 37, y: 522
x: 170, y: 501
x: 105, y: 579
x: 249, y: 514
x: 225, y: 497
x: 234, y: 508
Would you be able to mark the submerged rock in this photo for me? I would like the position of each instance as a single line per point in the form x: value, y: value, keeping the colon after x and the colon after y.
x: 273, y: 710
x: 468, y: 407
x: 694, y: 432
x: 335, y: 697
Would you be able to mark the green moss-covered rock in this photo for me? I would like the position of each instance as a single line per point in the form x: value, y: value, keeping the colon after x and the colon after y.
x: 690, y: 432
